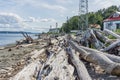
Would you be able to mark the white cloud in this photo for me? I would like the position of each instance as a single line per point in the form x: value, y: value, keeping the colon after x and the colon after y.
x: 33, y: 19
x: 10, y: 21
x: 48, y: 20
x: 42, y: 4
x: 95, y: 5
x: 9, y: 18
x: 54, y: 7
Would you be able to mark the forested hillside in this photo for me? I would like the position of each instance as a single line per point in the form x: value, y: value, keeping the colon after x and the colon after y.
x: 93, y: 17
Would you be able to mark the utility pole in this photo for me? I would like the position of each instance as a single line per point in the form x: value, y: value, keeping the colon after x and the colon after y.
x: 56, y: 27
x: 50, y: 27
x: 83, y: 15
x: 67, y: 23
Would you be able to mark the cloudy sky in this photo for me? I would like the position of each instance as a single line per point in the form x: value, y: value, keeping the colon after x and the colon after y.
x: 38, y: 15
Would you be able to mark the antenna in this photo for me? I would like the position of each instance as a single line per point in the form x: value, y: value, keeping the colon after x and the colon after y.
x: 83, y: 9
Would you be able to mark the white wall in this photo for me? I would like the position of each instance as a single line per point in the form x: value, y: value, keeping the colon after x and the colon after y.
x: 112, y: 26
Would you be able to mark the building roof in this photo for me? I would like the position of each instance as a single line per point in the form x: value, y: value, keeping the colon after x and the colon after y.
x: 114, y: 17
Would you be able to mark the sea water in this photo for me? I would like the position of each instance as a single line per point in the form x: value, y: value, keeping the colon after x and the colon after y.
x: 9, y: 38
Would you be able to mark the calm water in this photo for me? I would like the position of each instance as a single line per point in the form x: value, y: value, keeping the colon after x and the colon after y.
x: 8, y: 38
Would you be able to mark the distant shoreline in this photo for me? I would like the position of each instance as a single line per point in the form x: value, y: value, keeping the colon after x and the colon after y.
x: 15, y: 32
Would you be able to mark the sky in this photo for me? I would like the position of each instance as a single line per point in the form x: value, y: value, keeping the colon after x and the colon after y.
x: 38, y: 15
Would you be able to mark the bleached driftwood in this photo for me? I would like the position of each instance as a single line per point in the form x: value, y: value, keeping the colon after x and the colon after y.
x: 113, y: 45
x: 91, y: 38
x: 112, y: 33
x: 101, y: 37
x: 28, y: 72
x: 38, y: 53
x: 80, y: 67
x: 100, y: 59
x: 111, y: 57
x: 57, y: 67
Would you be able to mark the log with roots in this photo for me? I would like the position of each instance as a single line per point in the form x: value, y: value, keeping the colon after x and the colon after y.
x: 100, y: 59
x: 80, y: 67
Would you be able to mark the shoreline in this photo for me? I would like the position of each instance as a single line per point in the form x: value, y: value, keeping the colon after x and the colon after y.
x: 13, y: 58
x: 11, y: 38
x: 7, y: 46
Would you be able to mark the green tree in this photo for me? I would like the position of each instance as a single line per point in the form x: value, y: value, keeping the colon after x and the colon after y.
x: 93, y: 17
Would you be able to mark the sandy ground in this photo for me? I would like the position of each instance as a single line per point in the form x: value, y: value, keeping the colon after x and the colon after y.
x: 14, y: 59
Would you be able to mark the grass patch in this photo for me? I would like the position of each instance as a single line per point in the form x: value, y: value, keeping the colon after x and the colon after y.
x: 117, y: 31
x: 111, y: 37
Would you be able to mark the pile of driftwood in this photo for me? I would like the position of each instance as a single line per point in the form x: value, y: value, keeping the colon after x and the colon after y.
x: 100, y: 40
x: 97, y: 40
x: 28, y: 39
x: 73, y: 58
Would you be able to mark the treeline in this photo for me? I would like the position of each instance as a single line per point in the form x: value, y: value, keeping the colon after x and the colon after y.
x: 93, y: 17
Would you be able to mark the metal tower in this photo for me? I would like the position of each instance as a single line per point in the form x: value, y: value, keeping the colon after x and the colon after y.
x: 83, y: 19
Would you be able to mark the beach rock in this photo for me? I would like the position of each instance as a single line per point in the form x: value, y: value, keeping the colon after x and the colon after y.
x: 9, y: 49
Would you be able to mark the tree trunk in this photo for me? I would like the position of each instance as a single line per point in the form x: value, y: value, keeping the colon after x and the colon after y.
x: 99, y: 59
x: 80, y: 67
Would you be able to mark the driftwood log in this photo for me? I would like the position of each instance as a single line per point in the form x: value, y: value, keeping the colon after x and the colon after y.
x: 111, y: 57
x: 100, y: 37
x: 31, y: 70
x: 90, y: 39
x: 100, y: 59
x: 28, y: 72
x: 112, y: 33
x: 113, y: 45
x: 57, y: 68
x: 80, y: 67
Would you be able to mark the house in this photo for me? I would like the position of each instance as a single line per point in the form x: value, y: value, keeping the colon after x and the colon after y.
x: 54, y: 30
x: 112, y: 22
